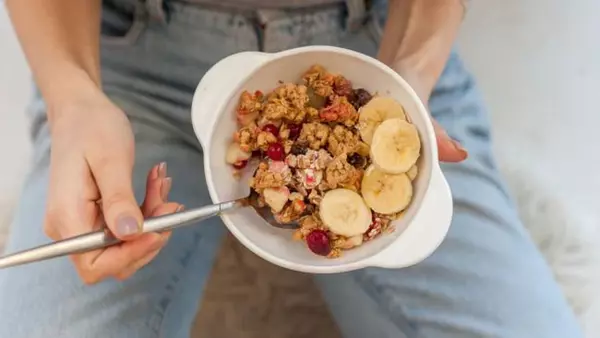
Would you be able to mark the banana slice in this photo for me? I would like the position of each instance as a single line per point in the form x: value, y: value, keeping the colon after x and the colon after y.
x: 412, y: 172
x: 386, y: 193
x: 345, y: 213
x: 379, y: 109
x: 396, y: 146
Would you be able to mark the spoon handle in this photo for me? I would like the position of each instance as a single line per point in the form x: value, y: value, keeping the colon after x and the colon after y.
x: 103, y: 238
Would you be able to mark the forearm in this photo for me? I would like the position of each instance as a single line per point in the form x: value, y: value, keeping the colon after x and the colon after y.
x: 60, y: 39
x: 418, y: 37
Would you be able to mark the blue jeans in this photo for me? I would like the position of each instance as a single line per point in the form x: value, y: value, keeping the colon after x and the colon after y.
x: 486, y: 280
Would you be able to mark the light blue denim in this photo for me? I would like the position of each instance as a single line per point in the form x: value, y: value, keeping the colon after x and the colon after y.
x: 486, y: 280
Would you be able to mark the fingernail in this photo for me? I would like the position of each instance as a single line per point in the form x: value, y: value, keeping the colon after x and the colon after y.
x: 154, y: 174
x: 180, y: 208
x: 165, y: 188
x: 127, y: 225
x: 459, y: 147
x: 162, y: 170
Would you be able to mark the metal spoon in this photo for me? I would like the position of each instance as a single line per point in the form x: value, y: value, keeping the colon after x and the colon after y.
x: 103, y: 238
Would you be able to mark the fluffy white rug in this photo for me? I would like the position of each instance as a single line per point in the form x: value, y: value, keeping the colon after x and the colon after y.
x: 567, y: 236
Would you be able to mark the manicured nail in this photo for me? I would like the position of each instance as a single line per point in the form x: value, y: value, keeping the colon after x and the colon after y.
x: 162, y: 170
x: 127, y: 225
x: 154, y: 172
x: 180, y: 208
x: 459, y: 147
x: 165, y: 188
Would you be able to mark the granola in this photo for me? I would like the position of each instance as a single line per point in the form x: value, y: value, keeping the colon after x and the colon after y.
x: 310, y: 144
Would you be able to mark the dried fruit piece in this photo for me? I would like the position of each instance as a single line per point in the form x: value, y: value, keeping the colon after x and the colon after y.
x: 271, y: 128
x: 276, y: 198
x: 356, y: 160
x: 276, y: 152
x: 240, y: 165
x: 235, y: 154
x: 298, y: 149
x: 294, y: 131
x: 359, y: 97
x: 318, y: 242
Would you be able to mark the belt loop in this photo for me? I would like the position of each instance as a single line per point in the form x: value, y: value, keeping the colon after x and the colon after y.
x: 156, y: 10
x: 357, y: 14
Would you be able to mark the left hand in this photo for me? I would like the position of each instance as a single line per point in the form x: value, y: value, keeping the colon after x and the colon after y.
x: 449, y: 150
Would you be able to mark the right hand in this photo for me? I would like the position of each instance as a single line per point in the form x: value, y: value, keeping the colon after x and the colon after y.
x: 91, y: 167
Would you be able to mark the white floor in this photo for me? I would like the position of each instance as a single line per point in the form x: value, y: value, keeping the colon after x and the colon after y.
x: 538, y: 63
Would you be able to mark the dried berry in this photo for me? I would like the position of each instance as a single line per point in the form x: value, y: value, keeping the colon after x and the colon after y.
x: 258, y: 153
x: 294, y: 131
x: 271, y: 128
x: 276, y: 152
x: 359, y: 97
x: 240, y: 164
x: 318, y: 242
x: 356, y: 160
x: 342, y: 86
x: 298, y: 149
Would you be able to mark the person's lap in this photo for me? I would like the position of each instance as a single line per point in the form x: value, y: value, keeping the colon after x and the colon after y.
x: 486, y: 280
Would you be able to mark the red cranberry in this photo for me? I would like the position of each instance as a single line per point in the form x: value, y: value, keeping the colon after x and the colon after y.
x: 318, y: 242
x: 240, y: 164
x: 271, y: 128
x: 294, y: 131
x: 275, y: 152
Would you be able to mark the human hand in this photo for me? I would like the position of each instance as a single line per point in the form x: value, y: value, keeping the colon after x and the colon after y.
x: 449, y: 150
x: 91, y: 166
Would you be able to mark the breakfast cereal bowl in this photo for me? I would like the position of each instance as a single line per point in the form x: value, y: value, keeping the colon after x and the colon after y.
x: 424, y: 223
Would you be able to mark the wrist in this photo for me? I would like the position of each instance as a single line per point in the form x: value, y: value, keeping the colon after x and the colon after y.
x: 73, y: 86
x: 421, y: 80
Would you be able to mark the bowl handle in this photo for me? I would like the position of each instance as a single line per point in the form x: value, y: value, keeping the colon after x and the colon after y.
x: 427, y: 230
x: 214, y: 88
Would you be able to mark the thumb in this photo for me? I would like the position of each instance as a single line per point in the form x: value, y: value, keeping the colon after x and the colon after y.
x: 449, y: 150
x: 121, y: 211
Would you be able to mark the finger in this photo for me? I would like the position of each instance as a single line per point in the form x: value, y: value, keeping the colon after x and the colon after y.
x: 115, y: 259
x: 112, y: 172
x: 449, y: 150
x: 70, y: 210
x: 132, y: 268
x: 158, y: 186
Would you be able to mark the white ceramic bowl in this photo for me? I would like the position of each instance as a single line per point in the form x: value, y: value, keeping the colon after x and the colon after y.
x: 417, y: 234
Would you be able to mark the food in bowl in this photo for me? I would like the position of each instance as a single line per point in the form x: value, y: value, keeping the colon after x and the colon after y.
x: 338, y: 160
